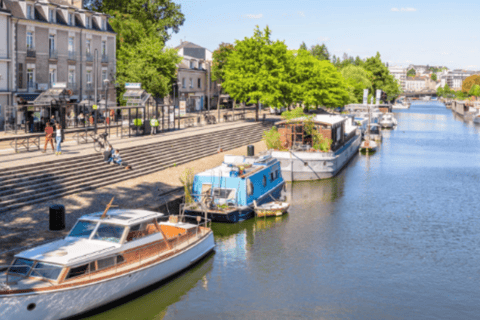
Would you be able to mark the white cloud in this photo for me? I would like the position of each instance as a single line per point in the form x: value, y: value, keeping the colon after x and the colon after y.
x: 323, y: 39
x: 472, y: 67
x: 445, y: 53
x: 408, y: 61
x: 253, y: 16
x: 301, y: 13
x: 403, y: 10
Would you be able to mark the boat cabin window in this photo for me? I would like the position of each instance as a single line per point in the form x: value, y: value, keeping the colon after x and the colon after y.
x: 46, y: 270
x: 83, y: 229
x: 77, y: 271
x: 264, y: 181
x: 21, y: 267
x: 105, y: 263
x: 141, y: 230
x: 224, y: 193
x: 109, y: 232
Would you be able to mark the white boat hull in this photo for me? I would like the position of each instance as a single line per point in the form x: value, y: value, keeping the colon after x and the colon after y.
x: 72, y: 301
x: 306, y: 166
x: 387, y: 124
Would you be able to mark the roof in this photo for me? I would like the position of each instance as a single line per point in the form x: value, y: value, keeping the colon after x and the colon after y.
x: 329, y: 118
x: 123, y: 217
x: 231, y: 162
x: 186, y: 44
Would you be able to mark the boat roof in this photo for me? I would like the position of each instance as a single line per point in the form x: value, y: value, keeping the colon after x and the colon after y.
x: 231, y: 163
x: 329, y: 119
x: 124, y: 217
x: 69, y: 251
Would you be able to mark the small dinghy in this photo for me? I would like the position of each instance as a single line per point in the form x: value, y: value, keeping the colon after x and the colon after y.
x: 271, y: 209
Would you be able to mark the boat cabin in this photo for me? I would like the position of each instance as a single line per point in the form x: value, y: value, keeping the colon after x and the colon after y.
x: 333, y: 127
x: 95, y: 247
x: 238, y: 181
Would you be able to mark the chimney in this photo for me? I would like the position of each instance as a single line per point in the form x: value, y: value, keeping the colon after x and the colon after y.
x: 77, y: 4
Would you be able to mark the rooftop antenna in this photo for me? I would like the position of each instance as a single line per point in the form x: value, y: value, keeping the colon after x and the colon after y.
x: 109, y: 205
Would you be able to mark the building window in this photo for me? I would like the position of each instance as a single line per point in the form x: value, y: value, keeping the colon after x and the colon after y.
x: 30, y: 77
x: 104, y: 48
x: 183, y: 83
x: 29, y: 12
x: 52, y: 15
x: 88, y: 47
x: 29, y: 40
x: 192, y: 65
x: 191, y: 83
x: 71, y: 78
x: 53, y: 75
x: 51, y: 43
x: 199, y: 83
x: 70, y: 19
x: 104, y: 76
x: 87, y: 22
x: 71, y: 44
x: 89, y: 79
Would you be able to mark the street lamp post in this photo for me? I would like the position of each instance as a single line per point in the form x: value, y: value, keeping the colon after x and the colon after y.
x: 106, y: 81
x: 95, y: 67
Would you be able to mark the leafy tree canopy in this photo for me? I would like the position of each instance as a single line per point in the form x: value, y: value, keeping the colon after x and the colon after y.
x: 469, y: 82
x: 220, y: 57
x: 411, y: 73
x: 357, y: 79
x: 303, y: 46
x: 259, y: 70
x: 474, y: 91
x: 320, y: 52
x: 433, y: 76
x: 382, y: 79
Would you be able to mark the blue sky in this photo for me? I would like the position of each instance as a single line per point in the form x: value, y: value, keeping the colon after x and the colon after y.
x: 404, y: 32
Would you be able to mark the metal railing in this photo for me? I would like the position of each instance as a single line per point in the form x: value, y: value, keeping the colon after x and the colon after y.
x: 72, y: 55
x: 53, y: 54
x: 31, y: 52
x: 104, y: 59
x: 89, y: 57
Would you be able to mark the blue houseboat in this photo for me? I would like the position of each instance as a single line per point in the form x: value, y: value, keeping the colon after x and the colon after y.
x: 226, y: 193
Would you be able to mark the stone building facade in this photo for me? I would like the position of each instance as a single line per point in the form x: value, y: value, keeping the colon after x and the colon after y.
x: 55, y: 42
x: 6, y: 66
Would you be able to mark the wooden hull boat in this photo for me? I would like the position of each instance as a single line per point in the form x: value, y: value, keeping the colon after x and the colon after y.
x: 272, y: 209
x: 158, y: 255
x: 368, y: 146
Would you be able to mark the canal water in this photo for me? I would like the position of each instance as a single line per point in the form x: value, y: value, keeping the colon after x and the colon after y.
x: 394, y: 236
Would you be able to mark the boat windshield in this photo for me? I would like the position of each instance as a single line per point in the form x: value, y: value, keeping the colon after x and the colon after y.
x: 109, y: 232
x: 83, y: 229
x: 223, y: 193
x: 46, y: 270
x: 21, y: 267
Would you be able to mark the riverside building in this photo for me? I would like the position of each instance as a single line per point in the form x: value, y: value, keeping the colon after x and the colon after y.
x: 55, y: 41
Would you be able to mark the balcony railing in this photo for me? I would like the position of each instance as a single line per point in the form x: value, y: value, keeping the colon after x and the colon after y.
x: 31, y: 86
x: 53, y: 54
x: 89, y: 57
x: 31, y: 52
x: 105, y: 59
x: 72, y: 86
x: 72, y: 55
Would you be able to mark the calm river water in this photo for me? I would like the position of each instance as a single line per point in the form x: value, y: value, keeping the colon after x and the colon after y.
x: 394, y: 236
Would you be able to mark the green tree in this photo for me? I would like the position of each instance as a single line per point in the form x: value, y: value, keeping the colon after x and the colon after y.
x: 411, y: 73
x: 161, y: 17
x: 440, y: 92
x: 469, y: 82
x: 303, y: 46
x: 259, y: 71
x: 318, y: 83
x: 433, y: 77
x: 320, y: 52
x: 474, y: 91
x: 357, y: 79
x: 220, y: 57
x: 381, y: 77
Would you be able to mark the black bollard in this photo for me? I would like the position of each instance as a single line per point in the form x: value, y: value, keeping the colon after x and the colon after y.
x: 57, y: 217
x: 250, y: 151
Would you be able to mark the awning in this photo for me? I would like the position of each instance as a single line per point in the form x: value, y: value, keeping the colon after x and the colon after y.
x: 28, y: 96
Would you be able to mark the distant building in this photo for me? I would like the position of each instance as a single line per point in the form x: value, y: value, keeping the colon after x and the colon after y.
x: 194, y: 72
x: 400, y: 74
x: 454, y: 78
x: 6, y: 66
x: 420, y: 83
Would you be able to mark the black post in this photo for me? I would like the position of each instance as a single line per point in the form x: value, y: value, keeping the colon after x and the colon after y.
x: 135, y: 121
x: 129, y: 126
x: 163, y: 118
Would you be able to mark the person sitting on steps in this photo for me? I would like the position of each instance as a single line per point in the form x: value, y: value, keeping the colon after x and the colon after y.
x: 117, y: 159
x: 108, y: 153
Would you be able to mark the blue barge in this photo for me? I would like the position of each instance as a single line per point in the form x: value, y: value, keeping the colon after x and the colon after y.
x: 226, y: 193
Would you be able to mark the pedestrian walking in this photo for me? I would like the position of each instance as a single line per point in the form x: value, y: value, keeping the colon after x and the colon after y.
x: 48, y: 137
x: 154, y: 124
x: 58, y: 139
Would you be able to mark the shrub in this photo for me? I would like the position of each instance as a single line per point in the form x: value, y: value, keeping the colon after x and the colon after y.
x: 187, y: 181
x: 272, y: 139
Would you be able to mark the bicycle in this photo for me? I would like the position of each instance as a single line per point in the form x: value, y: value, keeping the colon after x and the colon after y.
x: 97, y: 144
x: 209, y: 119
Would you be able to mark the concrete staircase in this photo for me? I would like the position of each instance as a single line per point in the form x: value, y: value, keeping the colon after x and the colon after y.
x: 26, y: 185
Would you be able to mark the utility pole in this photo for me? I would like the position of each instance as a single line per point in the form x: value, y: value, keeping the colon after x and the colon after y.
x: 95, y: 67
x: 208, y: 85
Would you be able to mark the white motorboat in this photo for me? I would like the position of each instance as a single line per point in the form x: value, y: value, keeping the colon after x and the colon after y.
x: 105, y: 257
x: 387, y: 120
x: 271, y: 209
x: 400, y: 106
x: 368, y: 146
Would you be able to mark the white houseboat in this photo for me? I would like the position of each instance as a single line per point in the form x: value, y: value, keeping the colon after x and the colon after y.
x: 301, y: 162
x: 105, y: 257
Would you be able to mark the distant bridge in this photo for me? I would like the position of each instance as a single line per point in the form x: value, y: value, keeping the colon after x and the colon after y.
x: 419, y: 94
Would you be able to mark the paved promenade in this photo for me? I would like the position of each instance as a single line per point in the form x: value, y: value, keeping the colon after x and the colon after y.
x: 28, y: 226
